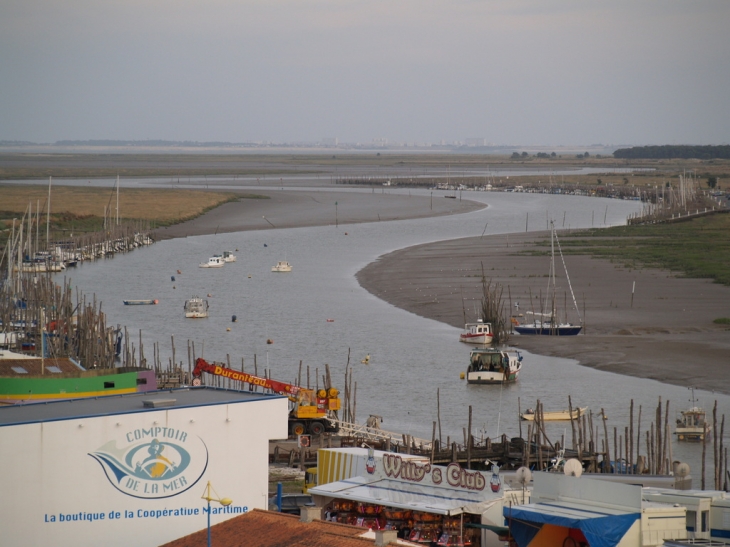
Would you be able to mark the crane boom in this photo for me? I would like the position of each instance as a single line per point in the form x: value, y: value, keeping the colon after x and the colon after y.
x: 313, y: 411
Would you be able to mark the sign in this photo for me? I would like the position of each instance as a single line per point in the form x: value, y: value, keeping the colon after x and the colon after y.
x: 304, y: 441
x: 153, y: 463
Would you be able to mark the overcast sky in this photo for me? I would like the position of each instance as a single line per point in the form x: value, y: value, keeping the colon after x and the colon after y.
x: 532, y: 72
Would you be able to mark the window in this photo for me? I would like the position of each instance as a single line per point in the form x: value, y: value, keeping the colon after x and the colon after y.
x: 141, y: 381
x: 108, y: 385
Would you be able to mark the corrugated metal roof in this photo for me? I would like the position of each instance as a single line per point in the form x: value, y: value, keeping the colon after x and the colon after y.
x: 412, y: 496
x: 89, y: 407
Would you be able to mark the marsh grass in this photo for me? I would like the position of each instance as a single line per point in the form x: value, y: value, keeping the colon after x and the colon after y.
x: 699, y: 248
x: 83, y: 208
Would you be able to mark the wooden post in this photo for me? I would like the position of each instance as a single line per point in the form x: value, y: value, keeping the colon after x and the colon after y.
x: 468, y: 443
x: 631, y: 435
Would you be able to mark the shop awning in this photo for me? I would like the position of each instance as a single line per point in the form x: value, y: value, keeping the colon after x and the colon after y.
x: 601, y: 527
x: 412, y: 496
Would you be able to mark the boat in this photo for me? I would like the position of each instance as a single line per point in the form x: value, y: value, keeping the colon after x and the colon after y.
x: 149, y: 302
x: 555, y: 415
x: 214, y: 262
x: 477, y: 333
x: 548, y: 324
x: 32, y: 379
x: 196, y: 308
x: 282, y: 266
x: 692, y: 425
x: 228, y: 256
x: 493, y: 366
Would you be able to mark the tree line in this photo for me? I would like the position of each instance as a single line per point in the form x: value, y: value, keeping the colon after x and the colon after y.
x: 671, y: 151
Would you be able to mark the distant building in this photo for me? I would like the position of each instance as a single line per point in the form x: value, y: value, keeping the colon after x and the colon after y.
x: 476, y: 141
x: 330, y: 141
x: 380, y: 141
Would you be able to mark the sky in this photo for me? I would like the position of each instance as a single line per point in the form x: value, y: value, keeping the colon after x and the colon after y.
x: 529, y: 72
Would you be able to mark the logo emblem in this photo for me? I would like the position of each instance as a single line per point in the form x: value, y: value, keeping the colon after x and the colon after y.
x: 159, y: 462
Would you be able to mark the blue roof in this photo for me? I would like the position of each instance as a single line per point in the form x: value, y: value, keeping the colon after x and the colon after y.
x: 90, y: 407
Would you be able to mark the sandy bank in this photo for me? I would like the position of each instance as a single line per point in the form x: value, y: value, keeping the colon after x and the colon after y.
x: 666, y: 333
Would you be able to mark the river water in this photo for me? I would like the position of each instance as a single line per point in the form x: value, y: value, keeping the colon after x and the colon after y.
x: 410, y: 357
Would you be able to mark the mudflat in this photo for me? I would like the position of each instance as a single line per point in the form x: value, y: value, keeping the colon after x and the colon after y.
x: 664, y: 332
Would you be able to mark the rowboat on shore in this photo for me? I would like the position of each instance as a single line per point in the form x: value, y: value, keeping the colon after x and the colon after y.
x: 148, y: 302
x: 554, y: 416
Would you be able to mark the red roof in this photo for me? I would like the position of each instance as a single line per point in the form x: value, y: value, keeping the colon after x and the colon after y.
x: 259, y: 528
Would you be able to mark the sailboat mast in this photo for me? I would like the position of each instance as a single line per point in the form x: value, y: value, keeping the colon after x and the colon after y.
x: 48, y: 212
x: 117, y: 223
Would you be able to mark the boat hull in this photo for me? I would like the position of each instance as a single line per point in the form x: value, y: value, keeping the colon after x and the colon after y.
x: 556, y: 416
x: 569, y: 330
x: 475, y: 338
x: 691, y: 434
x: 140, y: 302
x: 491, y: 378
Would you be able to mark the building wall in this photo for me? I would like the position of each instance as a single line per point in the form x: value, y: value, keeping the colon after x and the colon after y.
x: 104, y: 480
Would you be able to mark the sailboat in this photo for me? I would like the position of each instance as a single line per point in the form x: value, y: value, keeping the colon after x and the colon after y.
x: 548, y: 323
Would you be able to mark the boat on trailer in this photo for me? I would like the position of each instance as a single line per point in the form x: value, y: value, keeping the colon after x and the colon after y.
x: 493, y: 366
x: 477, y: 333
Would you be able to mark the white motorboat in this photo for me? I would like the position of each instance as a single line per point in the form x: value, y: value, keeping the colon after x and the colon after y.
x: 214, y: 262
x: 282, y: 266
x: 196, y: 308
x: 493, y: 366
x: 692, y: 424
x: 228, y: 256
x: 477, y: 333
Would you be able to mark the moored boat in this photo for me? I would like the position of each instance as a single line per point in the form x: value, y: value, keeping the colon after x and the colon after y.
x: 493, y: 366
x: 692, y: 425
x: 228, y: 256
x: 282, y: 266
x: 148, y: 302
x: 547, y: 324
x: 555, y: 415
x: 546, y: 327
x: 196, y: 308
x: 213, y: 262
x: 477, y: 333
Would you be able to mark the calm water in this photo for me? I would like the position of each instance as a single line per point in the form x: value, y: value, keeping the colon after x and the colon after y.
x: 411, y: 357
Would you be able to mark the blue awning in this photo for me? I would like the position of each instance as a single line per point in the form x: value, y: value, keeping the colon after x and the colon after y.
x: 601, y: 529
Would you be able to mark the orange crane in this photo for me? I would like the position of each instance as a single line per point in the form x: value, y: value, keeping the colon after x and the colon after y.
x: 312, y: 411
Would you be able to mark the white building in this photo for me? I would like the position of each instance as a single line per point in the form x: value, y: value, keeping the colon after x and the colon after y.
x: 131, y: 469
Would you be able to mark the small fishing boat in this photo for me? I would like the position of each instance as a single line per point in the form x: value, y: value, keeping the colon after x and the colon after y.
x: 214, y: 262
x: 282, y: 266
x: 150, y: 302
x: 692, y: 425
x: 196, y: 308
x: 555, y: 415
x: 228, y: 256
x: 493, y: 366
x: 477, y: 333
